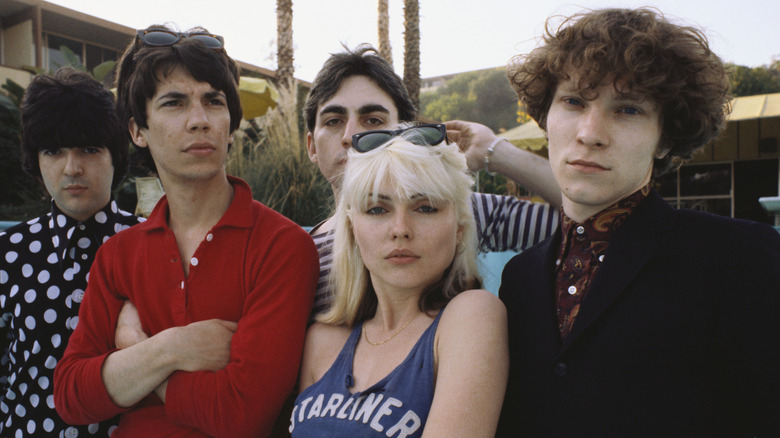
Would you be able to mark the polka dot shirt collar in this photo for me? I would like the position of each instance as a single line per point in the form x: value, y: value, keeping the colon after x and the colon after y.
x: 99, y: 227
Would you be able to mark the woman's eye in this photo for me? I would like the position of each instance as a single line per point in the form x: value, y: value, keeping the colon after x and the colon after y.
x: 375, y: 210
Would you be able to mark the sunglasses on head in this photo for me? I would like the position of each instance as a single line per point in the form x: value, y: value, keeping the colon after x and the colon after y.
x: 422, y: 135
x: 161, y: 37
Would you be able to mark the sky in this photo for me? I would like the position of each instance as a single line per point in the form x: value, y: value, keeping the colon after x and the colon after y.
x: 456, y: 35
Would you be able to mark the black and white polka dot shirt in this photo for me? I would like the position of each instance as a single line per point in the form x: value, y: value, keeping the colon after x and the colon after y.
x: 44, y: 264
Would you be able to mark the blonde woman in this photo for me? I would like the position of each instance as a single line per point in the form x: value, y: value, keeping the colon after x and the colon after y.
x: 411, y: 346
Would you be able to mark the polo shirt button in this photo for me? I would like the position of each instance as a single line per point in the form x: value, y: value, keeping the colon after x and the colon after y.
x: 194, y: 261
x: 71, y: 432
x: 209, y: 237
x: 82, y: 228
x: 560, y: 369
x: 572, y: 290
x: 580, y: 229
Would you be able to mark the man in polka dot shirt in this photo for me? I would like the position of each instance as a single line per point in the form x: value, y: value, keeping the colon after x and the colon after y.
x: 72, y: 141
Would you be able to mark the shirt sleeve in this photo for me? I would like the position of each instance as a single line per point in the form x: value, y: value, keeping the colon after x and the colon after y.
x: 505, y: 223
x: 80, y: 396
x: 245, y: 397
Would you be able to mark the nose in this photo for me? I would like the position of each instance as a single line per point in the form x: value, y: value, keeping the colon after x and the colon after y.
x: 351, y: 128
x: 593, y: 128
x: 73, y: 165
x: 198, y: 118
x: 401, y: 225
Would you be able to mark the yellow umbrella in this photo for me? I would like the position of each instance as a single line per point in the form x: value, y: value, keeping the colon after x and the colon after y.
x: 527, y: 136
x: 257, y: 96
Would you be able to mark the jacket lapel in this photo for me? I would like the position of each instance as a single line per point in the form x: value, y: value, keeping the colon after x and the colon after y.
x: 543, y: 299
x: 629, y: 251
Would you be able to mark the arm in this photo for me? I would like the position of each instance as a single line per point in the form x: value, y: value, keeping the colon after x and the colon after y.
x: 94, y: 381
x: 507, y: 223
x: 265, y: 350
x: 525, y: 168
x: 473, y: 366
x: 132, y: 373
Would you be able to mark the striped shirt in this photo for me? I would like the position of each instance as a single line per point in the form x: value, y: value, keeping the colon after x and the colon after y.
x: 504, y: 223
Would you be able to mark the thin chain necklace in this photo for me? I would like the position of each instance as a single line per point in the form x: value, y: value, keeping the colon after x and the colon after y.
x: 365, y: 332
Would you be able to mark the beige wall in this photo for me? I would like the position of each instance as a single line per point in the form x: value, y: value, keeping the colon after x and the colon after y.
x: 18, y: 46
x: 21, y: 77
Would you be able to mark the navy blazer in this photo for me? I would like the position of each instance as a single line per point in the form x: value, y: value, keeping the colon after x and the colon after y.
x: 679, y: 334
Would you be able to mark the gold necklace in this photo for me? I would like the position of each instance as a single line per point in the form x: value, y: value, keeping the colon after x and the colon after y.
x: 365, y: 333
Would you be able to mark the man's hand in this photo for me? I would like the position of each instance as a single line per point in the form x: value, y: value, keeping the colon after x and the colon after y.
x: 473, y: 139
x: 203, y: 345
x: 128, y: 327
x: 525, y: 168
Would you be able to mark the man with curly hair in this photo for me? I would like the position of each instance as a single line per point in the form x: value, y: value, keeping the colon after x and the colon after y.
x: 636, y: 319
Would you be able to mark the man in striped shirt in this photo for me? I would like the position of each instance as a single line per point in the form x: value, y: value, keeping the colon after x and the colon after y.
x: 358, y: 91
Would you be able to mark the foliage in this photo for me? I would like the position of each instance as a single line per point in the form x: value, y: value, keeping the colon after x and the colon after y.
x: 749, y: 81
x: 102, y: 72
x: 480, y: 96
x: 269, y: 155
x: 522, y: 116
x: 19, y: 189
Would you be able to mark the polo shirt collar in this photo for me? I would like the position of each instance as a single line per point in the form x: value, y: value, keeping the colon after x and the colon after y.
x: 238, y: 214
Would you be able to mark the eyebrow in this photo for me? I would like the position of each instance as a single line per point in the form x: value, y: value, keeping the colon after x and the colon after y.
x: 365, y: 109
x: 373, y: 108
x: 180, y: 95
x: 171, y: 95
x: 215, y: 93
x: 388, y: 198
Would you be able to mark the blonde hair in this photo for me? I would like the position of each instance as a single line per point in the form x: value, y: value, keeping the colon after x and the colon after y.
x: 438, y: 173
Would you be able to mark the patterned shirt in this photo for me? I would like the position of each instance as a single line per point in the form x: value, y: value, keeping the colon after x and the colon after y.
x: 43, y: 274
x: 503, y: 223
x: 582, y: 252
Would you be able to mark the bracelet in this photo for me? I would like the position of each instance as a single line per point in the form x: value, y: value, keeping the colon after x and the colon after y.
x: 489, y: 153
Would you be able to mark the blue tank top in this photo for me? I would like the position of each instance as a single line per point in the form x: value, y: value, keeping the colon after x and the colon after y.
x: 397, y: 406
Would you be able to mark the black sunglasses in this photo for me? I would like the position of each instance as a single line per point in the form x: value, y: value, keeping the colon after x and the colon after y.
x: 161, y: 37
x: 423, y: 135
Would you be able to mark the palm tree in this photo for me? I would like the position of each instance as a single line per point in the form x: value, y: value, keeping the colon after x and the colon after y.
x: 284, y: 31
x: 385, y: 51
x: 412, y: 49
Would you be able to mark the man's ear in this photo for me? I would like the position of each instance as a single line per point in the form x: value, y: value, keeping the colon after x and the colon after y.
x: 136, y: 134
x: 311, y: 148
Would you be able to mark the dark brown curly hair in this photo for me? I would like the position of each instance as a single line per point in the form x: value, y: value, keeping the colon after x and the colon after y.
x: 647, y: 55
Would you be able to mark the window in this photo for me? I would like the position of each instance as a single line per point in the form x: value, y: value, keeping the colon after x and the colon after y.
x: 94, y: 55
x: 56, y: 58
x: 704, y: 187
